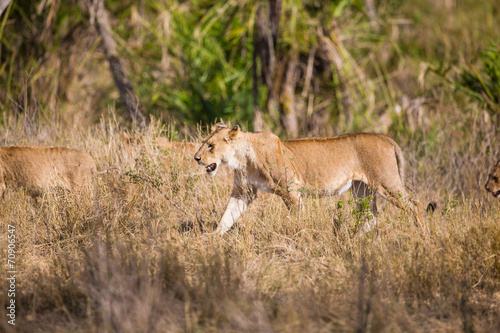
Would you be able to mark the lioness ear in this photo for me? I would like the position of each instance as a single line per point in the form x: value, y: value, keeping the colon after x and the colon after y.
x: 218, y: 126
x: 234, y: 131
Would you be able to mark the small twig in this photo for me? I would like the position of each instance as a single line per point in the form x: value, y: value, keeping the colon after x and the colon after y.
x: 60, y: 241
x: 490, y: 102
x: 108, y: 170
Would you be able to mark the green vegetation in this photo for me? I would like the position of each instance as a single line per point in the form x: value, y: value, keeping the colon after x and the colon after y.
x: 138, y: 256
x: 193, y: 61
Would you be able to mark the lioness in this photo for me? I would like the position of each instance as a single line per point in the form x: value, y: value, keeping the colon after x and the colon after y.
x: 183, y: 149
x: 36, y: 168
x: 493, y: 183
x: 370, y: 163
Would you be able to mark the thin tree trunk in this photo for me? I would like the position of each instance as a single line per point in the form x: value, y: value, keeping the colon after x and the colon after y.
x: 265, y: 46
x: 341, y: 96
x: 288, y: 114
x: 258, y: 119
x: 372, y: 14
x: 267, y: 29
x: 274, y: 18
x: 127, y: 93
x: 279, y: 78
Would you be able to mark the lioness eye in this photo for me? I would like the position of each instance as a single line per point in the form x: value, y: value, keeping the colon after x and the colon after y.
x: 210, y: 146
x: 495, y: 179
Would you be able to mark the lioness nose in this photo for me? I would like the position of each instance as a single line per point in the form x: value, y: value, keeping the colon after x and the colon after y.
x: 197, y: 158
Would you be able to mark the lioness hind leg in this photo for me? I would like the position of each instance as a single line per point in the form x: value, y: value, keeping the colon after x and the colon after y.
x: 401, y: 199
x: 416, y: 209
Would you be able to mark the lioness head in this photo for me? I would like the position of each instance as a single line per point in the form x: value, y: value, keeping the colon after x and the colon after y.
x: 493, y: 183
x: 218, y: 148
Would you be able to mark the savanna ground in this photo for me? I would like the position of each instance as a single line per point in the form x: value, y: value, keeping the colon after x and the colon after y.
x: 130, y: 260
x: 137, y: 257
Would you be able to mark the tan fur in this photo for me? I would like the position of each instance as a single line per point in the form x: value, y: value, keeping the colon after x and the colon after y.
x: 367, y: 162
x: 493, y: 183
x: 129, y: 140
x: 36, y: 168
x: 184, y: 149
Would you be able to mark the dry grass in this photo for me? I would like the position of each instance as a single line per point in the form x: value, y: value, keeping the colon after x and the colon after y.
x: 134, y: 259
x: 130, y: 260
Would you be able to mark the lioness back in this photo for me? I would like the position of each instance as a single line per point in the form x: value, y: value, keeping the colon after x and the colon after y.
x: 363, y: 156
x: 37, y: 167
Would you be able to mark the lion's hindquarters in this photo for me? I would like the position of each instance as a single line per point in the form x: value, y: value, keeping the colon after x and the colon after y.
x: 41, y: 168
x: 395, y: 192
x: 81, y: 170
x: 385, y: 169
x: 69, y: 169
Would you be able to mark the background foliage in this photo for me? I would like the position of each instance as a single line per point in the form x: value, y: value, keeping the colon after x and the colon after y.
x: 192, y: 61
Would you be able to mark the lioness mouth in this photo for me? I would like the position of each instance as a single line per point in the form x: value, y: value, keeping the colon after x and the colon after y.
x: 211, y: 167
x: 496, y: 194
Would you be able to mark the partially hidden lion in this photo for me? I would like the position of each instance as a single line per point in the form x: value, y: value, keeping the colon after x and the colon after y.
x: 493, y: 183
x: 368, y: 163
x: 182, y: 149
x: 38, y: 168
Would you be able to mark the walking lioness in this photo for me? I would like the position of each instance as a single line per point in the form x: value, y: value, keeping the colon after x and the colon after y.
x: 36, y: 168
x: 493, y: 183
x: 289, y: 168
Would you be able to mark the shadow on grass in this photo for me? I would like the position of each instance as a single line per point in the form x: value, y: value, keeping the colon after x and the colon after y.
x: 195, y: 226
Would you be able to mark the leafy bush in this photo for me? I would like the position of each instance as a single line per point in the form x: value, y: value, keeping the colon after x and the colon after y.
x: 485, y: 83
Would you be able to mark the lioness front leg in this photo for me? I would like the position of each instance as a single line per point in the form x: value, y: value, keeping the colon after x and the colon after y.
x: 238, y: 203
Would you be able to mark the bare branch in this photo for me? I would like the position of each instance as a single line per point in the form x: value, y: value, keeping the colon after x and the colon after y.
x: 99, y: 16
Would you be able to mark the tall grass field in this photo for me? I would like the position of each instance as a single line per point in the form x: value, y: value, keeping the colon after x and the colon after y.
x: 139, y: 258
